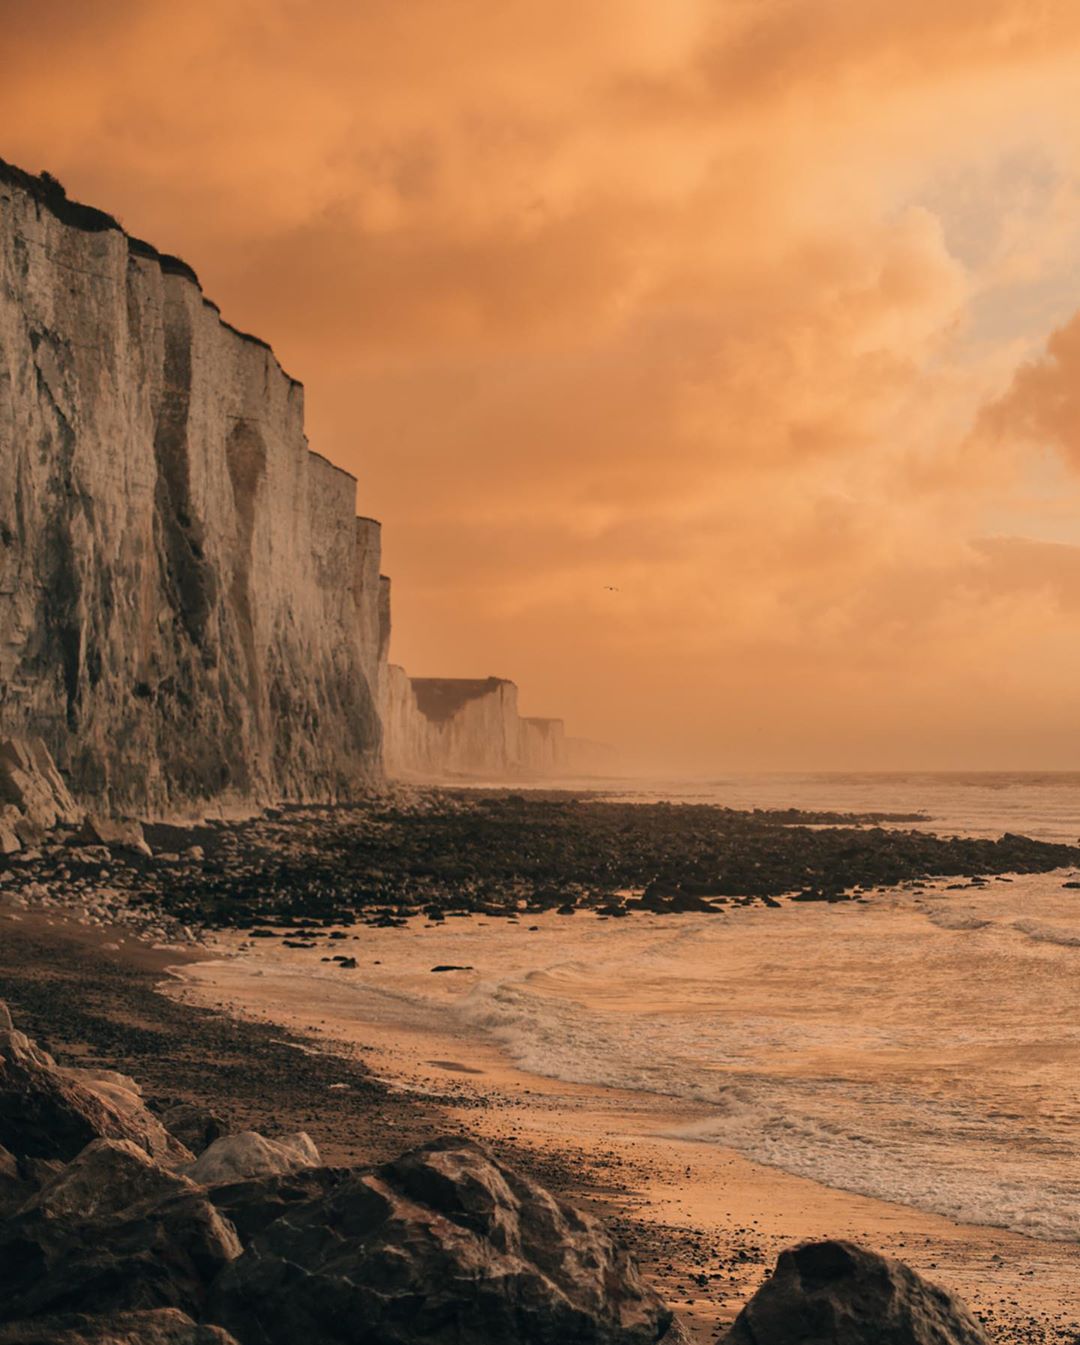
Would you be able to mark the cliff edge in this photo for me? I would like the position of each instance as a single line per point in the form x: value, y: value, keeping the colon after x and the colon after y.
x: 189, y: 608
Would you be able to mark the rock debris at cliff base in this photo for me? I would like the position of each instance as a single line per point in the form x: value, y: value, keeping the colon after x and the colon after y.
x: 437, y: 854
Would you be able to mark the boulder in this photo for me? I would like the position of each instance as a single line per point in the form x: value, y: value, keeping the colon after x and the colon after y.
x: 115, y: 833
x: 235, y: 1158
x: 445, y: 1245
x: 159, y: 1326
x: 155, y: 1253
x: 107, y: 1177
x: 31, y: 784
x: 47, y: 1112
x: 250, y: 1206
x: 196, y: 1127
x: 835, y: 1293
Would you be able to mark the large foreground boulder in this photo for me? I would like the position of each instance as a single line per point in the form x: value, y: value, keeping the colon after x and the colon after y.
x: 114, y: 1231
x: 161, y: 1326
x: 834, y: 1293
x: 444, y: 1246
x: 51, y: 1112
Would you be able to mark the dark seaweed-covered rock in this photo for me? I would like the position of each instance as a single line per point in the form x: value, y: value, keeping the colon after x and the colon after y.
x: 834, y: 1293
x: 443, y: 1246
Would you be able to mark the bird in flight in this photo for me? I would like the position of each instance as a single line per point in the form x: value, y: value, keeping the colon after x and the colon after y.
x: 610, y: 588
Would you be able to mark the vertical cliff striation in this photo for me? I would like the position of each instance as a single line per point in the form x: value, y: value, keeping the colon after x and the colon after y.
x: 189, y: 608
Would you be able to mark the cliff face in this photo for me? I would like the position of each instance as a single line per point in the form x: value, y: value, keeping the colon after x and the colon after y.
x: 189, y: 609
x: 435, y: 728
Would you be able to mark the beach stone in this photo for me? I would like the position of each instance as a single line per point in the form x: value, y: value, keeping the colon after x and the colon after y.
x: 47, y: 1112
x: 835, y: 1293
x: 157, y: 1252
x: 158, y: 1326
x: 444, y: 1245
x: 235, y: 1158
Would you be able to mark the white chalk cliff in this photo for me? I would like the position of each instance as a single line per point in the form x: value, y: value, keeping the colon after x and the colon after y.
x: 189, y: 608
x: 454, y: 727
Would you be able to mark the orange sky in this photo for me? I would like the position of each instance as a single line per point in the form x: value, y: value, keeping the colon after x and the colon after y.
x: 761, y: 312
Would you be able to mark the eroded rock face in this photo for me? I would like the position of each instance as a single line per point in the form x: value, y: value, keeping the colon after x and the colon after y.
x: 445, y: 1246
x: 188, y: 605
x: 161, y: 1326
x: 834, y: 1293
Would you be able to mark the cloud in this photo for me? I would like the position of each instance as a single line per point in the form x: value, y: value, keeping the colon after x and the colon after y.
x: 737, y: 307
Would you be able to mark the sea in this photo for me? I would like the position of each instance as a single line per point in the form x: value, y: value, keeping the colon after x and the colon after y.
x: 922, y: 1046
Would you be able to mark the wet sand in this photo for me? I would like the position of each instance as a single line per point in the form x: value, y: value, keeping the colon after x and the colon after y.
x: 705, y: 1222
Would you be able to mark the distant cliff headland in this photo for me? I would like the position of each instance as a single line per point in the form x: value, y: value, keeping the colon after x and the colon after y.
x: 190, y: 609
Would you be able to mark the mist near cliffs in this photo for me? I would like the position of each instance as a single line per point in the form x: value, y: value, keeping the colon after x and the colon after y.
x: 709, y: 365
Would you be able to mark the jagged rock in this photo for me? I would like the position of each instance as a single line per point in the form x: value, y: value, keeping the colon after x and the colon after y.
x: 154, y: 1253
x: 30, y: 782
x: 194, y: 1126
x: 835, y: 1293
x: 116, y: 833
x: 6, y: 1023
x: 106, y: 1177
x: 250, y: 1206
x: 51, y: 1113
x: 158, y: 1326
x: 444, y: 1245
x: 235, y: 1158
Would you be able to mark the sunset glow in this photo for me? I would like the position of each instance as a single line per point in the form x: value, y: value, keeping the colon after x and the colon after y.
x: 713, y: 365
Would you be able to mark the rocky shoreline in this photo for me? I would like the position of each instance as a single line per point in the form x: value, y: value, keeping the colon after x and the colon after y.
x: 93, y: 913
x: 135, y: 1216
x: 441, y: 853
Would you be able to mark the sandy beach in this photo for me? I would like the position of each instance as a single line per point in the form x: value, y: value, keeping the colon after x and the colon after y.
x: 705, y: 1221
